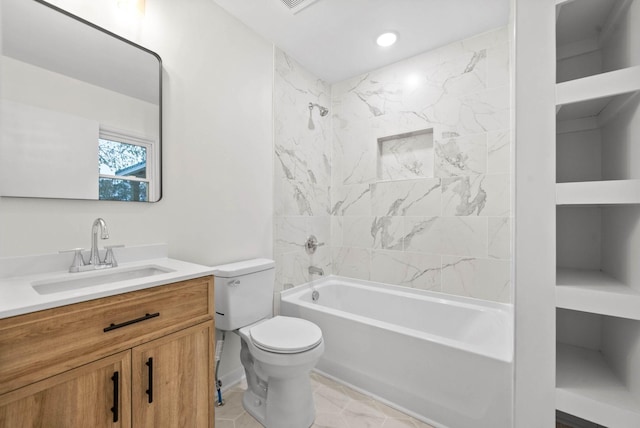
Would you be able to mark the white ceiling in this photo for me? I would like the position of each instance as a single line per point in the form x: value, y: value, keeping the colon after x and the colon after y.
x: 335, y: 39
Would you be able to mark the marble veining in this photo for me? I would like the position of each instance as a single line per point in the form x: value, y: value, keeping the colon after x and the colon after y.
x: 351, y: 262
x: 408, y: 269
x: 464, y: 196
x: 376, y: 95
x: 425, y: 229
x: 457, y: 155
x: 479, y: 278
x: 389, y: 206
x: 302, y: 172
x: 351, y: 200
x: 407, y: 198
x: 500, y: 238
x: 499, y: 152
x: 386, y: 233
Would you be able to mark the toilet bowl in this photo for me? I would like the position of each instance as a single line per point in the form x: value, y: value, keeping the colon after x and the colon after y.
x: 277, y: 353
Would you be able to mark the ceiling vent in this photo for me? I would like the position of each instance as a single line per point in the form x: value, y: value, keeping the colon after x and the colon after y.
x: 296, y: 6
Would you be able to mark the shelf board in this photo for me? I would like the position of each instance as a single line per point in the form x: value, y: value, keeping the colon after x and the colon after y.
x: 587, y: 387
x: 607, y: 192
x: 599, y: 86
x: 596, y: 292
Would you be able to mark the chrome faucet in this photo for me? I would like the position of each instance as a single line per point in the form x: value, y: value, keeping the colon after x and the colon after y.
x: 94, y: 258
x: 79, y: 265
x: 316, y: 270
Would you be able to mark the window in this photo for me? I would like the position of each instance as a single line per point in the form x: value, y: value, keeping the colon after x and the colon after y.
x: 125, y: 167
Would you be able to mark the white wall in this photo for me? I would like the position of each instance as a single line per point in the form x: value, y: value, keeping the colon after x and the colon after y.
x: 217, y: 146
x: 535, y: 213
x: 217, y: 158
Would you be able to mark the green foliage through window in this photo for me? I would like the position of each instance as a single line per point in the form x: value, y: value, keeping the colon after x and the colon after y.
x: 123, y: 171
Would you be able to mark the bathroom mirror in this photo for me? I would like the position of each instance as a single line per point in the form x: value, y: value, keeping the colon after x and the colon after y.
x: 81, y: 111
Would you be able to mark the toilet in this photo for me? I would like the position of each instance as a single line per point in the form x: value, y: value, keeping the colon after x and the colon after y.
x: 277, y: 353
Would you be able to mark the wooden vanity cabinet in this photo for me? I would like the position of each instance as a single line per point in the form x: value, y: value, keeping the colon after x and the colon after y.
x: 82, y: 397
x: 169, y: 368
x: 154, y: 372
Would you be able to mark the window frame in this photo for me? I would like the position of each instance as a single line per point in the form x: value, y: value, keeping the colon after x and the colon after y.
x: 127, y: 137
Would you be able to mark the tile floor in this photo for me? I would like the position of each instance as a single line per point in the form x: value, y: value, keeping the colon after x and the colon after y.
x: 337, y: 406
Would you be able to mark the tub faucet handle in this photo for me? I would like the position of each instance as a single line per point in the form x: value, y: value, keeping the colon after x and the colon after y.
x: 312, y: 244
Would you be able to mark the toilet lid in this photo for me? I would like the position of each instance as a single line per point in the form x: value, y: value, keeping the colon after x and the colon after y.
x: 286, y: 335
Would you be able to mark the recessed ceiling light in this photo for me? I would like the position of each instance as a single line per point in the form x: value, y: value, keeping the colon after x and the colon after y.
x: 387, y: 39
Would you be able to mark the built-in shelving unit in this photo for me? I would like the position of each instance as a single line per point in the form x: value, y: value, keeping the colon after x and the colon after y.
x: 598, y: 207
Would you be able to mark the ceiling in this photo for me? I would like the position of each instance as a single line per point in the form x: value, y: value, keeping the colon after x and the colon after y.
x: 335, y: 39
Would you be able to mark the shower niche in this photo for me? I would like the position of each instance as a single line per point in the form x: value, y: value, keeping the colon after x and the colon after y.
x: 405, y: 156
x: 598, y: 211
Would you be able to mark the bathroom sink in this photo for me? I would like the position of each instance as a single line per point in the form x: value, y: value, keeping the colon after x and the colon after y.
x: 100, y: 277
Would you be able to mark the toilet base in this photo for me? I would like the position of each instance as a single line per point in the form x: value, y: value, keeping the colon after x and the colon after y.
x: 284, y: 408
x: 255, y: 406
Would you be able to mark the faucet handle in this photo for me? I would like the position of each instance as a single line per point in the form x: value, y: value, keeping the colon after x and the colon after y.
x: 78, y: 260
x: 312, y: 244
x: 110, y: 258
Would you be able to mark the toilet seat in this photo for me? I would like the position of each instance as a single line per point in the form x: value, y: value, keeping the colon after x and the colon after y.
x: 285, y: 335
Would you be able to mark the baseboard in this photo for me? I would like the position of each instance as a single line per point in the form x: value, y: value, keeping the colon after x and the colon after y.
x: 230, y: 380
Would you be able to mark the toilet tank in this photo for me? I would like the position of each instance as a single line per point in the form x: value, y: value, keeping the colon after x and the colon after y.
x: 243, y: 292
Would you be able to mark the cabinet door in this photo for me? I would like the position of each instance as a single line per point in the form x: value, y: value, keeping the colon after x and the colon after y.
x: 172, y: 380
x: 93, y: 395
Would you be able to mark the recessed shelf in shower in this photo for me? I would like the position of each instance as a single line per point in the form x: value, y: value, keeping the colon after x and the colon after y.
x: 407, y: 155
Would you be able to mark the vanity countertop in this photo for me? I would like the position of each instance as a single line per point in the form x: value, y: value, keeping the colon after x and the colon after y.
x: 18, y: 277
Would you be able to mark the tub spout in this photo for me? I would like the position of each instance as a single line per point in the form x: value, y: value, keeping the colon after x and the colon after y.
x: 316, y: 270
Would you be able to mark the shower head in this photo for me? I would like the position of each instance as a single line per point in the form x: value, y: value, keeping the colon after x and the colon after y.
x: 323, y: 110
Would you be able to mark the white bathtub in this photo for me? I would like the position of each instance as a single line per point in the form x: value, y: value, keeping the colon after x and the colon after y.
x: 446, y: 360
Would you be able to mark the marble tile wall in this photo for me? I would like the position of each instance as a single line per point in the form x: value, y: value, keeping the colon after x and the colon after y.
x: 443, y: 226
x: 448, y: 230
x: 302, y: 169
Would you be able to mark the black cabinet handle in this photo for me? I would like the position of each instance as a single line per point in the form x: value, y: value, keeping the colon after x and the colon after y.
x: 149, y: 391
x: 116, y: 395
x: 126, y: 323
